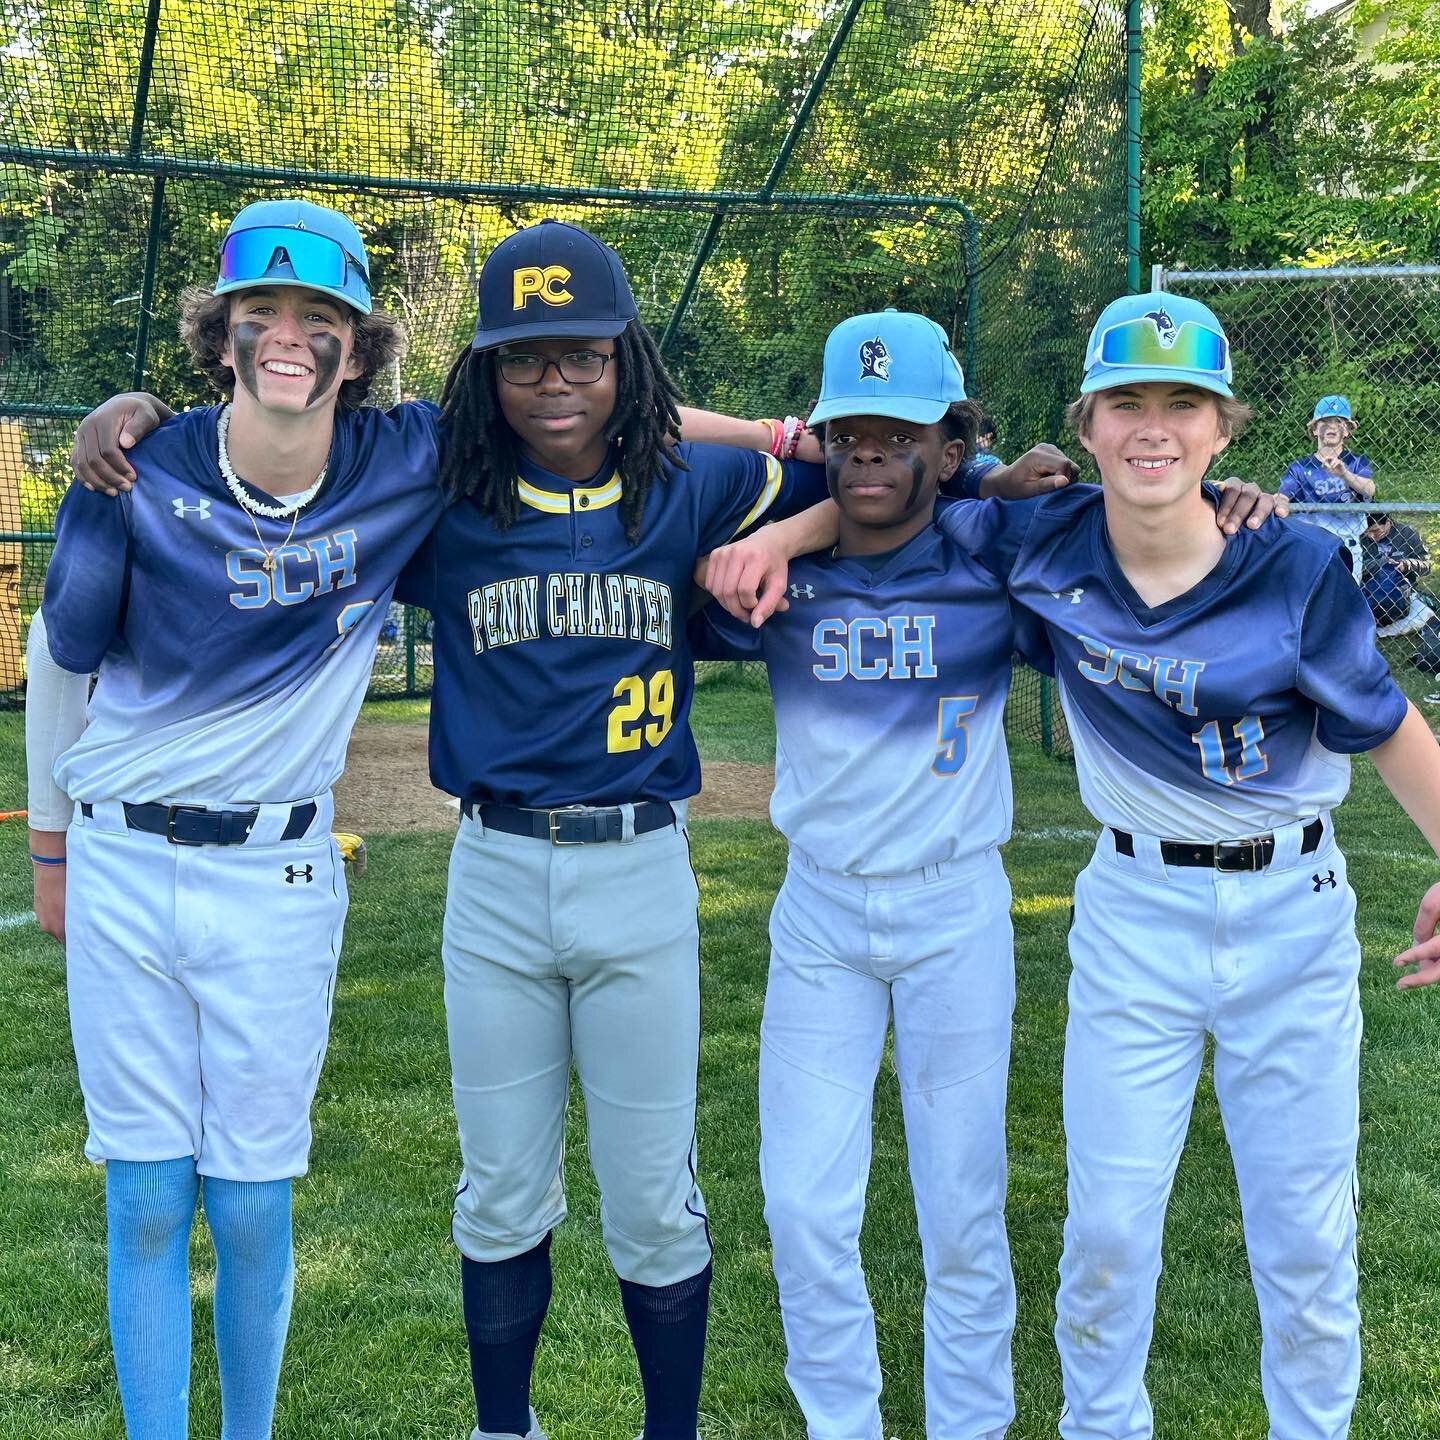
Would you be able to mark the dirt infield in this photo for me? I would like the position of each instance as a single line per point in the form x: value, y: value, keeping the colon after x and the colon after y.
x: 386, y: 787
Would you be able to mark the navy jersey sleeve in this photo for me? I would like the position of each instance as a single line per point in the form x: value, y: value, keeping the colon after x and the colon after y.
x: 740, y: 488
x: 1340, y: 669
x: 423, y: 417
x: 88, y: 578
x: 1360, y: 465
x: 964, y: 484
x: 989, y: 531
x: 1292, y: 482
x: 416, y: 585
x: 715, y: 634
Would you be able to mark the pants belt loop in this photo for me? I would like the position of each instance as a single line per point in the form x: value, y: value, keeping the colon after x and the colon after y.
x: 1288, y: 840
x: 933, y: 872
x: 270, y: 823
x: 627, y: 824
x: 1146, y: 859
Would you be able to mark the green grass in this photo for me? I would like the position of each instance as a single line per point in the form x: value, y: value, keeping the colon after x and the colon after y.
x: 377, y: 1347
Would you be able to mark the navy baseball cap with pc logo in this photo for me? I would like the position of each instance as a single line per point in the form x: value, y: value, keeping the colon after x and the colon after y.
x: 552, y: 281
x: 893, y: 363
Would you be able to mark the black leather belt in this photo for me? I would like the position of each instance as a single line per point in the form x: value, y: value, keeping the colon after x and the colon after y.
x: 572, y: 824
x: 195, y: 825
x: 1229, y: 855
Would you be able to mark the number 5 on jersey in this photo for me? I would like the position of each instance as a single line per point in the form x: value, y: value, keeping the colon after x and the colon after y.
x: 950, y: 732
x: 628, y: 724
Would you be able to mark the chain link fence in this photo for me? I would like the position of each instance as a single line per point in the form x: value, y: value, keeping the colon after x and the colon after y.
x: 1371, y: 334
x: 763, y: 169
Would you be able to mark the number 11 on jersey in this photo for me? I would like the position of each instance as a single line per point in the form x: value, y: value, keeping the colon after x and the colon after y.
x: 1251, y: 761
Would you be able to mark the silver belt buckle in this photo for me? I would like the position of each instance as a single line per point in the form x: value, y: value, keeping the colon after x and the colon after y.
x: 554, y: 823
x: 1252, y: 846
x: 171, y: 811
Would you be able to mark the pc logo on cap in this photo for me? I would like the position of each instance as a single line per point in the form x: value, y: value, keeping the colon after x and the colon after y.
x: 552, y: 281
x: 292, y: 242
x: 891, y: 363
x: 1332, y: 407
x: 1159, y: 336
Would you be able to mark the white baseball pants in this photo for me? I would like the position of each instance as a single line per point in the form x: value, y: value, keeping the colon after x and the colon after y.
x: 1267, y: 963
x: 200, y: 982
x: 590, y: 954
x: 933, y: 950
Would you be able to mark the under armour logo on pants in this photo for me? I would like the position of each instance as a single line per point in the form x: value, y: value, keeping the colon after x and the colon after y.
x: 1328, y: 878
x: 294, y: 873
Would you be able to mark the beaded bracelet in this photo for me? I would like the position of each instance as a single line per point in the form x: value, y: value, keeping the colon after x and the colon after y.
x: 47, y: 859
x: 792, y: 433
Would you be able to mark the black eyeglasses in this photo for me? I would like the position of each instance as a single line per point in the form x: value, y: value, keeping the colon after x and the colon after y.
x: 579, y: 367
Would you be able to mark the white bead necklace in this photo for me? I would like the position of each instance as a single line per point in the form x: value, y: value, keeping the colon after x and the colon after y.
x: 253, y: 507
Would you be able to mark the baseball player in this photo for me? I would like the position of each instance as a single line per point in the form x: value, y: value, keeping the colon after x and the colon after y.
x: 889, y: 673
x: 229, y: 606
x: 1332, y: 475
x: 1213, y: 769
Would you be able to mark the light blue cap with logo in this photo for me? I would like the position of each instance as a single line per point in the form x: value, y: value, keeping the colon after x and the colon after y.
x: 1332, y: 407
x: 292, y: 242
x: 890, y: 363
x: 1157, y: 336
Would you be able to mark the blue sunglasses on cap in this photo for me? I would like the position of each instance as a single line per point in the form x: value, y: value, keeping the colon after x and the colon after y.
x: 1138, y: 342
x: 314, y: 260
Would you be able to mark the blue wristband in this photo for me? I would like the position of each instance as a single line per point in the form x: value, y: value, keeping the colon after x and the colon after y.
x: 46, y: 859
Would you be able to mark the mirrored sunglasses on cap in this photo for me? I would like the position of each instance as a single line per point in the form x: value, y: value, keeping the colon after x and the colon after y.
x: 314, y: 259
x: 1137, y: 342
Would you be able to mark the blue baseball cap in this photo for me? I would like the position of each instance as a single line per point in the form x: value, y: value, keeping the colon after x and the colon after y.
x: 552, y: 281
x: 891, y: 363
x: 292, y: 242
x: 1157, y: 336
x: 1332, y: 407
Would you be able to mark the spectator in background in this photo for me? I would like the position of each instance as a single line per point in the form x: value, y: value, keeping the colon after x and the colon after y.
x: 1392, y: 554
x: 1332, y: 475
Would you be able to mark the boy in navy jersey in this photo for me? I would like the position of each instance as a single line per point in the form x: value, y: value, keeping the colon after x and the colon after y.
x: 1212, y: 765
x: 1332, y: 474
x: 230, y: 605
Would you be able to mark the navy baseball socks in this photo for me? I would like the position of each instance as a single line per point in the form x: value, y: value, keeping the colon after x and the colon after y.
x: 667, y: 1328
x: 505, y: 1303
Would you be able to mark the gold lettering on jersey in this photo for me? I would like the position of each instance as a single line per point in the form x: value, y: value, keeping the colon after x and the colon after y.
x: 1172, y: 681
x: 504, y: 612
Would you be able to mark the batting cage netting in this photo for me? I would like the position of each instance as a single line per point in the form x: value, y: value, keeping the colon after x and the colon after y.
x: 763, y: 169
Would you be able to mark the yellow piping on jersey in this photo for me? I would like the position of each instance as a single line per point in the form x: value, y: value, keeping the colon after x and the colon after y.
x: 773, y: 476
x: 562, y: 502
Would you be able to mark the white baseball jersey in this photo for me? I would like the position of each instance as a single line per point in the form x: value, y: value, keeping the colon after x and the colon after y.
x: 889, y: 680
x: 220, y: 683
